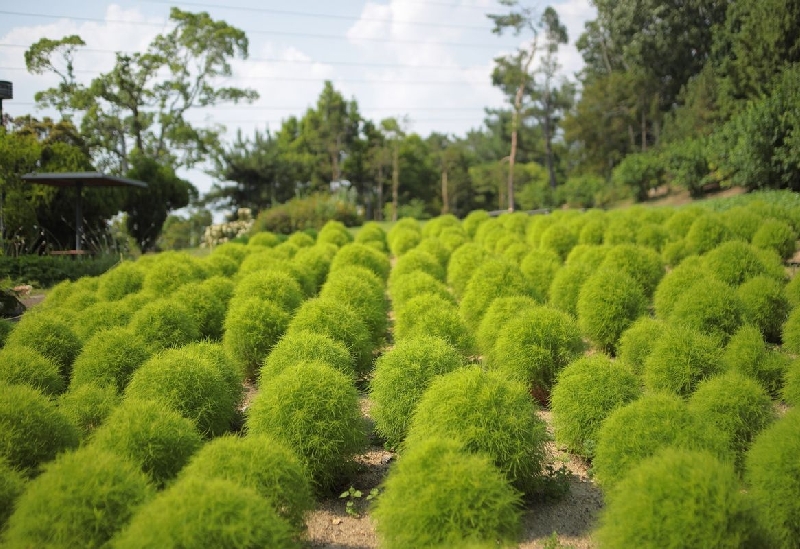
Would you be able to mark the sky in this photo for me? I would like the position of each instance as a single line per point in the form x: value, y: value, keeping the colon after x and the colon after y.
x: 427, y: 60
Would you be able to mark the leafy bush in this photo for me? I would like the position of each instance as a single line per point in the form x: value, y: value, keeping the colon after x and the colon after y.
x: 742, y: 222
x: 489, y: 414
x: 233, y: 250
x: 772, y: 472
x: 463, y: 263
x: 790, y: 392
x: 100, y: 316
x: 593, y: 232
x: 259, y: 462
x: 207, y: 308
x: 559, y: 238
x: 429, y: 314
x: 252, y: 328
x: 678, y: 498
x: 500, y: 312
x: 416, y: 283
x: 258, y: 260
x: 316, y: 260
x: 608, y: 303
x: 491, y: 280
x: 267, y: 239
x: 566, y: 286
x: 364, y: 293
x: 536, y: 227
x: 314, y: 409
x: 592, y: 256
x: 277, y: 287
x: 164, y: 324
x: 373, y: 234
x: 88, y: 406
x: 642, y: 264
x: 6, y: 327
x: 402, y: 375
x: 188, y: 515
x: 32, y: 429
x: 81, y: 500
x: 540, y: 268
x: 792, y: 291
x: 708, y: 231
x: 453, y: 238
x: 765, y: 306
x: 586, y: 392
x: 622, y: 228
x: 109, y: 358
x: 710, y: 307
x: 737, y: 405
x: 459, y: 500
x: 474, y: 220
x: 776, y: 235
x: 124, y: 279
x: 640, y: 172
x: 435, y: 226
x: 734, y: 262
x: 152, y: 435
x: 675, y: 283
x: 680, y: 223
x: 12, y: 484
x: 687, y: 165
x: 26, y: 366
x: 436, y: 249
x: 215, y: 354
x: 747, y: 354
x: 637, y: 431
x: 50, y: 336
x: 169, y: 271
x: 306, y: 346
x: 417, y: 260
x: 362, y: 256
x: 403, y: 240
x: 46, y: 270
x: 636, y: 343
x: 403, y: 224
x: 339, y: 322
x: 652, y: 236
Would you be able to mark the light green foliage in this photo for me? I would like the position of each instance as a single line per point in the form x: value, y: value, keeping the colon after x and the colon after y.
x: 586, y: 392
x: 636, y: 343
x: 642, y: 264
x: 735, y: 262
x: 205, y: 306
x: 681, y: 358
x: 265, y: 239
x: 164, y: 324
x: 592, y: 256
x: 680, y: 223
x: 500, y: 312
x: 402, y: 375
x: 233, y: 250
x: 637, y: 431
x: 25, y: 366
x: 559, y: 238
x: 316, y: 260
x: 608, y: 303
x: 87, y: 406
x: 675, y: 252
x: 169, y: 271
x: 189, y: 383
x: 361, y: 290
x: 214, y: 353
x: 747, y: 354
x: 790, y: 393
x: 772, y: 473
x: 220, y: 286
x: 540, y: 268
x: 435, y: 226
x: 403, y: 240
x: 675, y: 283
x: 12, y: 484
x: 152, y: 435
x: 259, y: 462
x: 463, y: 263
x: 109, y: 358
x: 373, y: 234
x: 790, y: 333
x: 489, y: 233
x: 81, y: 500
x: 417, y: 260
x: 252, y: 327
x: 792, y: 291
x: 219, y: 265
x: 301, y: 240
x: 306, y: 346
x: 32, y: 429
x: 258, y: 260
x: 314, y: 409
x: 592, y: 232
x: 360, y: 255
x: 493, y: 279
x: 474, y: 220
x: 711, y: 307
x: 535, y: 346
x: 536, y: 227
x: 453, y: 238
x: 678, y: 498
x: 515, y: 222
x: 566, y: 286
x: 339, y: 322
x: 708, y: 231
x: 765, y: 306
x: 440, y: 496
x: 429, y: 314
x: 101, y: 316
x: 776, y: 235
x: 737, y: 405
x: 188, y: 515
x: 50, y: 336
x: 285, y: 250
x: 417, y: 283
x: 6, y: 327
x: 622, y: 228
x: 124, y: 279
x: 334, y: 232
x: 516, y: 252
x: 438, y: 250
x: 278, y: 287
x: 652, y: 236
x: 741, y: 222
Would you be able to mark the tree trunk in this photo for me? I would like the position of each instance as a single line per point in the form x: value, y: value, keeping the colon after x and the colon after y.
x: 379, y: 205
x: 395, y: 181
x: 644, y: 129
x: 445, y: 194
x: 548, y: 143
x: 510, y: 191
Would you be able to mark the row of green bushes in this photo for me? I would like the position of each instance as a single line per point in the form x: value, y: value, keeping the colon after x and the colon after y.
x: 45, y: 271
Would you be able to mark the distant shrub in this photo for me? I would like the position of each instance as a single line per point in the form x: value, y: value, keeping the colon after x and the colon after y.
x: 266, y: 239
x: 417, y: 260
x: 474, y: 220
x: 436, y: 249
x: 622, y: 228
x: 402, y: 375
x: 219, y: 265
x: 710, y: 307
x: 193, y: 386
x: 334, y: 232
x: 592, y: 232
x: 429, y: 314
x: 460, y: 499
x: 652, y: 236
x: 81, y: 500
x: 278, y: 287
x: 365, y: 293
x: 567, y: 284
x: 681, y: 358
x: 339, y: 322
x: 741, y: 222
x: 32, y: 429
x: 464, y: 262
x: 679, y: 224
x: 772, y: 473
x: 403, y: 240
x: 675, y: 283
x: 765, y: 306
x: 124, y: 279
x: 26, y: 366
x: 207, y: 309
x: 734, y: 262
x: 169, y: 271
x: 360, y: 255
x: 536, y: 227
x: 233, y: 250
x: 6, y: 327
x: 707, y: 232
x: 435, y: 226
x: 50, y: 336
x: 453, y: 238
x: 559, y: 238
x: 776, y: 235
x: 675, y: 252
x: 416, y: 283
x: 637, y: 341
x: 516, y: 252
x: 258, y: 260
x: 164, y: 324
x: 306, y: 346
x: 88, y: 406
x: 737, y: 405
x: 540, y: 268
x: 12, y: 484
x: 316, y: 260
x: 372, y: 233
x: 314, y: 409
x: 491, y: 280
x: 792, y: 291
x: 109, y: 358
x: 188, y: 515
x: 637, y: 431
x: 642, y: 264
x: 252, y: 327
x: 790, y: 393
x: 608, y: 303
x: 488, y: 413
x: 747, y: 354
x: 585, y: 393
x: 489, y: 232
x: 678, y: 498
x: 500, y: 312
x: 259, y: 462
x: 101, y: 316
x: 299, y: 240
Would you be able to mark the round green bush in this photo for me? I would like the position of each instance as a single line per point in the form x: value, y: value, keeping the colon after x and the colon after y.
x: 517, y: 222
x: 221, y: 286
x: 747, y: 354
x: 334, y: 232
x: 49, y: 336
x: 191, y: 513
x: 493, y: 279
x: 436, y: 249
x: 32, y: 429
x: 206, y: 308
x: 459, y: 500
x: 736, y: 404
x: 680, y: 359
x: 360, y: 255
x: 169, y: 271
x: 81, y: 500
x: 790, y: 392
x: 435, y: 226
x: 535, y: 346
x: 652, y: 236
x: 516, y: 252
x: 636, y: 343
x: 285, y: 250
x: 25, y: 366
x: 152, y: 435
x: 339, y: 322
x: 164, y: 324
x: 259, y: 462
x: 302, y: 272
x: 638, y: 430
x: 124, y: 279
x: 109, y: 358
x: 772, y: 473
x: 559, y: 238
x: 258, y: 261
x: 87, y: 406
x: 675, y: 252
x: 417, y: 260
x: 364, y: 293
x: 403, y: 240
x: 642, y: 264
x: 741, y: 222
x: 675, y: 283
x: 621, y: 229
x: 233, y: 250
x: 711, y: 307
x: 734, y: 262
x: 402, y: 375
x: 252, y: 327
x: 314, y: 409
x: 79, y: 300
x: 277, y: 287
x: 301, y: 240
x: 371, y: 232
x: 593, y: 256
x: 416, y: 283
x: 429, y: 314
x: 540, y: 268
x: 402, y: 224
x: 266, y: 239
x: 585, y: 393
x: 12, y: 484
x: 679, y: 224
x: 677, y: 498
x: 566, y: 286
x: 192, y: 385
x: 6, y: 327
x: 474, y: 220
x: 464, y: 262
x: 537, y: 225
x: 488, y: 413
x: 592, y: 232
x: 306, y: 346
x: 776, y: 235
x: 453, y: 238
x: 708, y: 231
x: 219, y: 265
x: 792, y: 291
x: 215, y: 354
x: 101, y: 316
x: 790, y: 333
x: 608, y: 303
x: 489, y: 233
x: 316, y: 260
x: 765, y: 306
x: 498, y: 315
